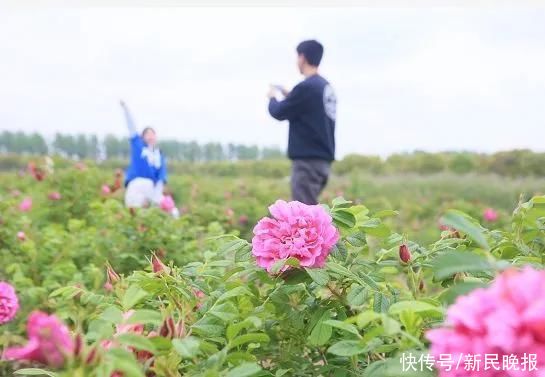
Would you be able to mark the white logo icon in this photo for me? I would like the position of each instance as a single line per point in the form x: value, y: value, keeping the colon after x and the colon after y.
x: 153, y: 156
x: 330, y: 102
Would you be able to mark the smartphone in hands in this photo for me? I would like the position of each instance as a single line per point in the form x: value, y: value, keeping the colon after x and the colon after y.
x: 281, y: 89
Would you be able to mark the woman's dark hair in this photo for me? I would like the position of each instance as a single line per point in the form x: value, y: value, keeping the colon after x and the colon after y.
x: 146, y: 129
x: 312, y: 51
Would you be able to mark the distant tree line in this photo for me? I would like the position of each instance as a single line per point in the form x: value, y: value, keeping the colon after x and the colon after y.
x: 113, y: 147
x: 514, y: 163
x: 112, y: 151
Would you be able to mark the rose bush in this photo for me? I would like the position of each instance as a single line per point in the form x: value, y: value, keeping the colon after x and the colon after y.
x: 339, y: 294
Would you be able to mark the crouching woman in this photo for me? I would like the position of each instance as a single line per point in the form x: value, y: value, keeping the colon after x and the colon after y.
x: 146, y: 174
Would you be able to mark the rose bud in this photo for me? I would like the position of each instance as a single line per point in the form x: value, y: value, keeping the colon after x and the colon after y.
x: 158, y: 266
x: 92, y: 356
x: 78, y: 344
x: 199, y: 295
x: 111, y: 275
x: 404, y: 253
x: 168, y: 328
x: 171, y: 330
x: 143, y: 356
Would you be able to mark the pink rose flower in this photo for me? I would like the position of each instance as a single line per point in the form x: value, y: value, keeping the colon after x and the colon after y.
x: 21, y: 236
x: 503, y: 319
x: 26, y: 204
x: 54, y: 195
x: 49, y: 341
x: 9, y: 303
x: 105, y: 189
x: 243, y: 220
x: 297, y: 230
x: 124, y: 328
x: 490, y: 215
x: 167, y: 203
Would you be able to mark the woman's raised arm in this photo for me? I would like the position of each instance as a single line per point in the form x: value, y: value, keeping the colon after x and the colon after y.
x: 129, y: 119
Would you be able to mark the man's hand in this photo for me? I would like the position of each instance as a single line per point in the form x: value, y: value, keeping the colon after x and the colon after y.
x: 284, y: 91
x: 277, y: 89
x: 272, y: 92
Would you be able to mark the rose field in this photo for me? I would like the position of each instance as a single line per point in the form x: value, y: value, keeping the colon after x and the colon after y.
x: 395, y: 274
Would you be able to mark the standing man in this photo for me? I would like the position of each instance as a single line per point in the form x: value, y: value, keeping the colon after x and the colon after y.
x: 310, y: 109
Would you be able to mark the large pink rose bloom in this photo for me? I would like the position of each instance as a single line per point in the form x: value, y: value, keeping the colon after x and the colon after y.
x: 9, y: 303
x: 508, y: 318
x: 295, y: 230
x: 49, y: 341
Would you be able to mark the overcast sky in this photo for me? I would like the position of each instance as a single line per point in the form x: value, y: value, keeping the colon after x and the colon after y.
x: 449, y: 79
